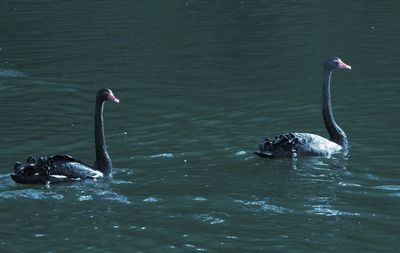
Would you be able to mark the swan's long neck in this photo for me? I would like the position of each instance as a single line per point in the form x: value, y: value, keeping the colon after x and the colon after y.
x: 103, y: 161
x: 336, y: 134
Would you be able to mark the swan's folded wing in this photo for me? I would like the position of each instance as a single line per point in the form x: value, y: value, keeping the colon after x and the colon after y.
x: 38, y: 179
x: 66, y: 158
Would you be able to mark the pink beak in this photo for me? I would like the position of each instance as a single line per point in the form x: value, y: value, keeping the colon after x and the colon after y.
x: 111, y: 97
x: 343, y: 65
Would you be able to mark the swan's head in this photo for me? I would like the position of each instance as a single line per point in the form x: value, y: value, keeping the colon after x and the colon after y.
x: 107, y: 95
x: 335, y: 63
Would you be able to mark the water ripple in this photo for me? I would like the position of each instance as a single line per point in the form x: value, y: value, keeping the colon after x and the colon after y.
x: 240, y: 153
x: 168, y: 155
x: 109, y: 195
x: 264, y: 206
x: 151, y: 200
x: 209, y: 218
x: 85, y: 197
x: 30, y: 194
x: 388, y: 187
x: 198, y: 198
x: 327, y: 210
x: 349, y: 184
x: 11, y: 73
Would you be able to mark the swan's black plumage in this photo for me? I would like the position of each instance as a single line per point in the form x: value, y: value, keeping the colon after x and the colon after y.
x: 62, y: 168
x: 292, y: 144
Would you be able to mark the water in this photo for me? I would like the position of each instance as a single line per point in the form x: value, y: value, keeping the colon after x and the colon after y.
x: 200, y: 84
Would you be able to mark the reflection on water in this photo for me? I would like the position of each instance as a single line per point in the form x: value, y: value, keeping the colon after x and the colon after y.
x: 31, y: 194
x: 84, y: 191
x: 11, y: 73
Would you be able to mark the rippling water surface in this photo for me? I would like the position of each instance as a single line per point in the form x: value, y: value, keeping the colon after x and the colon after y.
x: 200, y: 84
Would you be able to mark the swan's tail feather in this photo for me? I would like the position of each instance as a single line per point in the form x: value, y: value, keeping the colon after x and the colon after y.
x: 283, y: 145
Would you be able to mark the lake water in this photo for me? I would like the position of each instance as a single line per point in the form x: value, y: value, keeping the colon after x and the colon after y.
x: 200, y: 84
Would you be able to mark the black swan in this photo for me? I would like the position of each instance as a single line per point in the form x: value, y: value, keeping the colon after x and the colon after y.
x: 63, y: 168
x: 292, y: 144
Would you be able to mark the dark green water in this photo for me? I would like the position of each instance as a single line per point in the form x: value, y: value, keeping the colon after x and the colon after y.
x: 200, y: 84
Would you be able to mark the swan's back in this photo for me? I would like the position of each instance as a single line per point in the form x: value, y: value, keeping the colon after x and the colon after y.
x: 292, y: 144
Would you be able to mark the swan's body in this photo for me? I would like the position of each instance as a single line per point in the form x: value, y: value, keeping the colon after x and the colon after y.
x: 62, y: 168
x: 53, y: 169
x: 292, y: 144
